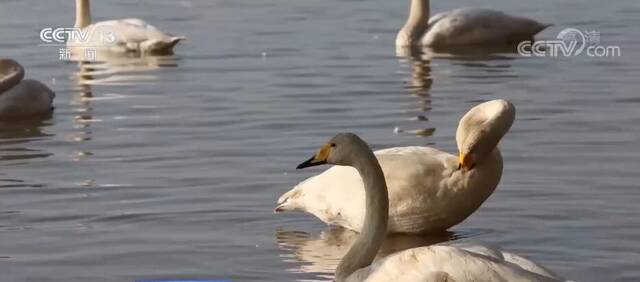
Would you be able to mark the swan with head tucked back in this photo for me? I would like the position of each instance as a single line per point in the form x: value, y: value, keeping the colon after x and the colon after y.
x: 436, y: 263
x: 427, y: 191
x: 120, y: 36
x: 21, y: 98
x: 464, y: 27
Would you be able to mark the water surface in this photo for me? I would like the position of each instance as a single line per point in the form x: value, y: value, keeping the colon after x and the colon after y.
x: 171, y: 169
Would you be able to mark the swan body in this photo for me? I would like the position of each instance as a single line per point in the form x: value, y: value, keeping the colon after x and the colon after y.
x: 427, y: 191
x: 121, y: 36
x: 454, y: 262
x: 464, y: 27
x: 21, y: 98
x: 437, y: 263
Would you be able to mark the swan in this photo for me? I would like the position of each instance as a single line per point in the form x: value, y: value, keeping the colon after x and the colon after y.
x: 427, y: 191
x: 436, y: 263
x: 120, y: 36
x: 466, y: 26
x: 20, y: 98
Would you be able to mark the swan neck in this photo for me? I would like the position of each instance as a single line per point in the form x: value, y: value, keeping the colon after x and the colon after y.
x: 416, y: 25
x: 482, y: 128
x: 83, y: 14
x: 374, y: 230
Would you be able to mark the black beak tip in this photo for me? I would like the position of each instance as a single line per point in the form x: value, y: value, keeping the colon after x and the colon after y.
x: 306, y: 163
x: 310, y: 162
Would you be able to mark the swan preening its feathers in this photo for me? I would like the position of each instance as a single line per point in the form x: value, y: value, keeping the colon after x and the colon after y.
x: 22, y: 98
x: 428, y: 192
x: 464, y: 27
x: 436, y: 263
x: 121, y: 36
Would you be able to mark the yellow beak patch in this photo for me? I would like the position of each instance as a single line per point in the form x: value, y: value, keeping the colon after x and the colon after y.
x: 466, y: 161
x: 323, y: 153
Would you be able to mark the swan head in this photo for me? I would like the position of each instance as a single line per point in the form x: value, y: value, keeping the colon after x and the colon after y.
x: 480, y: 130
x: 340, y: 150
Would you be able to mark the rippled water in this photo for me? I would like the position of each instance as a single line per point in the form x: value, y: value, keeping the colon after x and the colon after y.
x: 170, y: 168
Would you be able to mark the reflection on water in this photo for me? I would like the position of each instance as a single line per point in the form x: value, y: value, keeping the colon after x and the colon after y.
x: 15, y: 136
x: 16, y: 148
x: 419, y: 85
x: 320, y: 254
x: 122, y: 69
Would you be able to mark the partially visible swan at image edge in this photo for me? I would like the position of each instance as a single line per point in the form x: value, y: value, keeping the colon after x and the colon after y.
x: 427, y: 191
x: 466, y: 26
x: 22, y: 98
x: 448, y: 262
x: 121, y: 36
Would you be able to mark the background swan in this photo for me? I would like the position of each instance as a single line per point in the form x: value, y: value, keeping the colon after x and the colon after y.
x: 464, y: 27
x: 427, y: 191
x: 121, y: 36
x: 466, y: 262
x: 18, y: 97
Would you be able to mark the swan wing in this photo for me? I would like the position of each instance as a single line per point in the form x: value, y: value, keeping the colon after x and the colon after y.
x: 477, y: 27
x: 449, y: 263
x: 413, y: 175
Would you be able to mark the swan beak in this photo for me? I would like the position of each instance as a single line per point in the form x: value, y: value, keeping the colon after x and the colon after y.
x: 318, y: 159
x: 466, y: 161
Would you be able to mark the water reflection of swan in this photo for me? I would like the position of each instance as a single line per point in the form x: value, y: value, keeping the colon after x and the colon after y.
x: 321, y: 253
x: 464, y: 27
x: 121, y: 70
x: 427, y: 191
x: 437, y: 263
x: 21, y: 98
x: 120, y: 36
x: 419, y: 85
x: 16, y: 137
x: 458, y: 53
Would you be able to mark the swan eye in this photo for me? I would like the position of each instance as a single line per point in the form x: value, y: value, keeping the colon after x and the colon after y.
x: 333, y: 144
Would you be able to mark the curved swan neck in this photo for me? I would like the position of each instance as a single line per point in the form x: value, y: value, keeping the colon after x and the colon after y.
x: 483, y: 126
x: 416, y: 24
x: 83, y: 14
x: 374, y: 230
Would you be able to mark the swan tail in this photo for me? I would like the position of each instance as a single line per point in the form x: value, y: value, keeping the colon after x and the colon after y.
x: 287, y: 202
x: 161, y: 47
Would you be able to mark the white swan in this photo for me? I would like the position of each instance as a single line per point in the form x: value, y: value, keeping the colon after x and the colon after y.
x: 121, y: 36
x: 427, y: 191
x: 436, y: 263
x: 464, y: 27
x: 20, y: 98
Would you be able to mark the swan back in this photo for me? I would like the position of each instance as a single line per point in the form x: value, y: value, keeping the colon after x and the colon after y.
x: 454, y: 262
x: 28, y: 98
x: 470, y: 26
x: 482, y: 127
x: 11, y: 73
